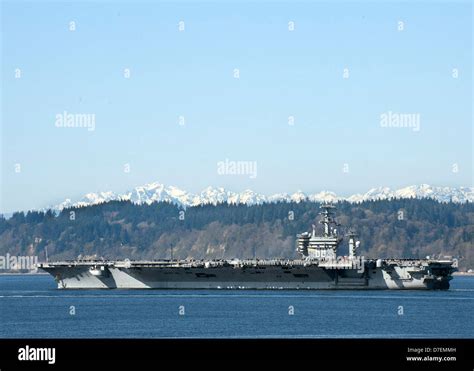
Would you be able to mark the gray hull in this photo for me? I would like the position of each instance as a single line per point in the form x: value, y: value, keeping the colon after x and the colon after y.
x: 159, y: 275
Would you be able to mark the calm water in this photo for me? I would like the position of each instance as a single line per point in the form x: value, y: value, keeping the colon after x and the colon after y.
x: 30, y: 306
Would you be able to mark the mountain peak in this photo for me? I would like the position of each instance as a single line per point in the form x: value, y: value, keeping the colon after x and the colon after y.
x: 155, y: 192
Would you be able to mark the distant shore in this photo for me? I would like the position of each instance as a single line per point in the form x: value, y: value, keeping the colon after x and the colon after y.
x: 463, y: 274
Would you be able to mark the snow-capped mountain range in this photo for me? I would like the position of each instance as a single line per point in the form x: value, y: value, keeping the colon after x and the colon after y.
x: 154, y: 192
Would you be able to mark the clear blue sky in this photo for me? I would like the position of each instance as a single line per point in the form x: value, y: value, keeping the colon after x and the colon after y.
x: 190, y: 73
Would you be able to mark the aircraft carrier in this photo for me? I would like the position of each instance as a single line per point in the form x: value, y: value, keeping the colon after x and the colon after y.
x: 318, y: 267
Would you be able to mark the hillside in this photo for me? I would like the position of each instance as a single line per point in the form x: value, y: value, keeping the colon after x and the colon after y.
x: 121, y: 229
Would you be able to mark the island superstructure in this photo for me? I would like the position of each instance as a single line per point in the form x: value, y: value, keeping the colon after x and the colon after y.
x: 317, y: 267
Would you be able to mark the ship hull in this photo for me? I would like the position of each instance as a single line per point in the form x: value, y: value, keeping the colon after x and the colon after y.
x: 149, y: 276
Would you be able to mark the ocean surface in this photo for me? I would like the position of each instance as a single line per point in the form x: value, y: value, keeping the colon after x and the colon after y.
x: 32, y: 307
